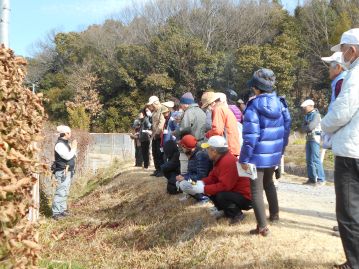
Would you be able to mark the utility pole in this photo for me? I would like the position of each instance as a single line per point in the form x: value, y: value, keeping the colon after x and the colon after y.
x: 4, y: 22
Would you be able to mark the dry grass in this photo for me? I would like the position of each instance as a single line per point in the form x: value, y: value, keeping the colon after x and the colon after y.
x: 130, y: 222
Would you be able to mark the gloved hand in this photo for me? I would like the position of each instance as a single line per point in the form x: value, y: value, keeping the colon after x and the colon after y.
x: 199, y: 187
x: 187, y: 187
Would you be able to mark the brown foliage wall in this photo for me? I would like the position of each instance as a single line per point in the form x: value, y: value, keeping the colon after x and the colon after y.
x: 21, y: 120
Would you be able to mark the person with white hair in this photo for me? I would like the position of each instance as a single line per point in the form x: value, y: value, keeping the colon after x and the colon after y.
x: 342, y: 121
x: 311, y: 127
x: 63, y: 168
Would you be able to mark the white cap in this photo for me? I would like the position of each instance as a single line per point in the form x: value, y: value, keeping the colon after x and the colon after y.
x: 152, y: 99
x: 221, y: 96
x: 169, y: 104
x: 63, y: 129
x: 350, y: 37
x: 336, y: 57
x: 306, y: 103
x: 215, y: 142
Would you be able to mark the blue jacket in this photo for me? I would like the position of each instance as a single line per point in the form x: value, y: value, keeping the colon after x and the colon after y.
x: 169, y: 127
x: 199, y: 165
x: 266, y: 128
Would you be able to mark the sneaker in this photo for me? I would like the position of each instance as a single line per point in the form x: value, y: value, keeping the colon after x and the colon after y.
x: 159, y: 174
x: 154, y: 173
x: 217, y: 214
x: 57, y: 217
x: 237, y: 219
x: 336, y: 234
x: 342, y: 266
x: 66, y: 213
x: 321, y: 182
x: 310, y: 182
x: 260, y: 231
x: 184, y: 197
x: 274, y: 218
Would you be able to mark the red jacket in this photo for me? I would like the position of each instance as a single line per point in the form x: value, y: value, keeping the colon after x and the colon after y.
x: 224, y: 177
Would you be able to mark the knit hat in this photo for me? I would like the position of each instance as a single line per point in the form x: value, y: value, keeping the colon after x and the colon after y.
x: 187, y: 99
x: 188, y: 141
x: 263, y: 79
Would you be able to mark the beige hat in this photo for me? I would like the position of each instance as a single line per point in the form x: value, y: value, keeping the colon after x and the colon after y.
x: 63, y: 129
x: 152, y: 99
x: 308, y: 102
x: 164, y: 109
x: 169, y: 104
x: 208, y: 98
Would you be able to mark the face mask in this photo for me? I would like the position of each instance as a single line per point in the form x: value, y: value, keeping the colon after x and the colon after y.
x: 149, y: 113
x: 346, y: 63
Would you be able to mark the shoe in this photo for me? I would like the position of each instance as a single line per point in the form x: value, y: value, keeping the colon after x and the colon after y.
x: 342, y: 266
x: 237, y: 219
x: 154, y: 174
x: 260, y: 231
x: 337, y: 234
x: 321, y: 182
x: 184, y: 197
x: 217, y: 214
x: 57, y: 217
x: 66, y: 213
x: 274, y: 218
x: 335, y: 228
x: 159, y: 174
x: 310, y: 182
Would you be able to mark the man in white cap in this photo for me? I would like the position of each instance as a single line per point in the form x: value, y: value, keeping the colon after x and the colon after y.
x: 230, y: 193
x: 311, y: 127
x: 63, y: 168
x: 337, y: 73
x: 158, y: 122
x: 342, y: 120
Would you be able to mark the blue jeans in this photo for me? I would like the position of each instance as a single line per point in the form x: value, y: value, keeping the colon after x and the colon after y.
x: 59, y: 204
x: 314, y: 165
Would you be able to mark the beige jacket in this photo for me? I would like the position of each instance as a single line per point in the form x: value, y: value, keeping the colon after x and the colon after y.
x: 158, y: 122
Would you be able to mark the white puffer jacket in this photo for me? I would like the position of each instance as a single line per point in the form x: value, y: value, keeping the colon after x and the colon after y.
x: 342, y: 119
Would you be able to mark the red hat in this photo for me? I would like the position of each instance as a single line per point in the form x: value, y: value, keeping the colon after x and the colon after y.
x: 188, y: 141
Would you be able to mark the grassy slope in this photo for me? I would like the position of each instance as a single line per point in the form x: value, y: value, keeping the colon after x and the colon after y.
x: 130, y: 222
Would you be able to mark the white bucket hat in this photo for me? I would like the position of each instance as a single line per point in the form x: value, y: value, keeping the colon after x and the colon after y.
x: 308, y: 102
x: 350, y: 37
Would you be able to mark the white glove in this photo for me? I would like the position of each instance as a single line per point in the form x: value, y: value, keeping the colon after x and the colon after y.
x: 187, y: 187
x: 199, y: 187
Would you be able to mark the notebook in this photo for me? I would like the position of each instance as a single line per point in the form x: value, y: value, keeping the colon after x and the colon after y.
x: 251, y: 172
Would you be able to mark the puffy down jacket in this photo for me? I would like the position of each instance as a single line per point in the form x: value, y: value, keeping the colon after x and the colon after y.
x: 266, y: 129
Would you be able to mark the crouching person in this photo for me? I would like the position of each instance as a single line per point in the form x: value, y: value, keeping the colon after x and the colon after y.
x: 199, y: 164
x: 63, y: 169
x: 229, y: 192
x: 171, y: 168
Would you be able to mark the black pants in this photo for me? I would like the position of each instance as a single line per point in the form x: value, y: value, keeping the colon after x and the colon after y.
x: 232, y: 203
x: 264, y: 181
x: 157, y: 154
x: 171, y: 182
x: 346, y: 178
x: 145, y: 149
x: 138, y: 155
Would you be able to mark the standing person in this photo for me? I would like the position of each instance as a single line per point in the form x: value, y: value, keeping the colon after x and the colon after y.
x: 193, y: 122
x: 171, y: 167
x: 136, y: 139
x: 170, y: 125
x: 63, y: 168
x: 224, y: 123
x: 158, y: 122
x: 311, y: 126
x: 145, y: 136
x: 266, y: 130
x: 342, y: 121
x: 231, y: 97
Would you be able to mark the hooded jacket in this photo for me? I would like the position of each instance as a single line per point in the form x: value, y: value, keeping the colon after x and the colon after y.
x: 199, y: 165
x: 266, y: 129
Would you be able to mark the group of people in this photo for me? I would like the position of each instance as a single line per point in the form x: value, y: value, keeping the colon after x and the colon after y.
x: 201, y: 147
